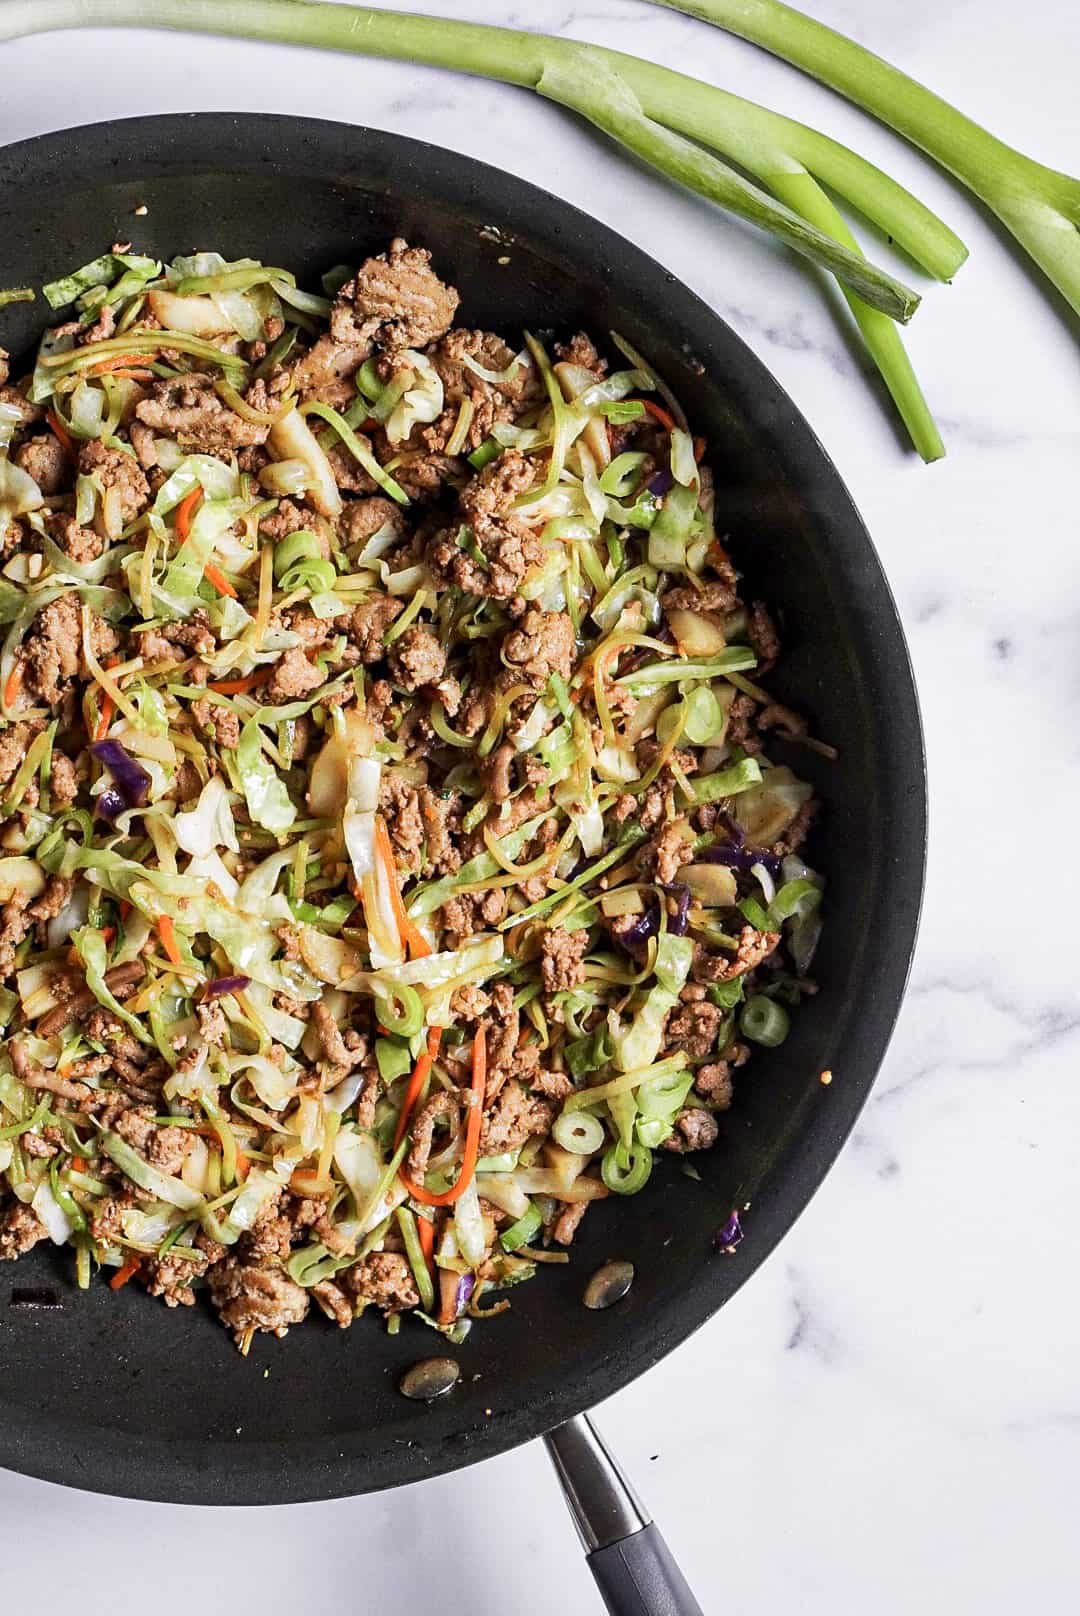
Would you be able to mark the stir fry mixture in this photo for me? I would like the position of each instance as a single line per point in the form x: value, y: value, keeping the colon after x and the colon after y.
x: 391, y: 861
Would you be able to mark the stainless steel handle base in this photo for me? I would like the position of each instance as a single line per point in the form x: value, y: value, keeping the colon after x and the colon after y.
x: 626, y: 1553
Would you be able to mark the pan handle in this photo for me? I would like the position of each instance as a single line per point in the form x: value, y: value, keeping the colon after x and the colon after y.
x: 625, y: 1551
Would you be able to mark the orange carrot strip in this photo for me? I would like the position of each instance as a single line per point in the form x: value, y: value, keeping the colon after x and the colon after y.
x: 413, y: 939
x: 79, y: 1163
x: 239, y: 687
x: 185, y: 511
x: 699, y: 450
x: 243, y: 1165
x: 167, y: 933
x: 215, y: 576
x: 60, y: 431
x: 472, y: 1133
x: 14, y: 684
x: 105, y: 716
x: 120, y: 362
x: 658, y: 413
x: 122, y: 1275
x: 425, y: 1229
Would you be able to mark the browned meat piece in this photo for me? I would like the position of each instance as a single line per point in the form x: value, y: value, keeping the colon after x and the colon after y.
x: 417, y: 659
x: 35, y: 1145
x: 566, y: 1224
x: 271, y: 1235
x: 288, y: 518
x: 252, y: 1297
x: 384, y: 1278
x: 561, y: 956
x: 497, y: 772
x: 106, y: 1221
x: 741, y: 730
x: 20, y: 1231
x: 400, y: 804
x: 445, y: 1103
x: 327, y: 370
x: 188, y: 409
x: 581, y: 350
x: 221, y: 723
x: 163, y: 1147
x: 47, y: 462
x: 503, y: 1027
x: 754, y: 946
x: 394, y: 301
x: 510, y: 548
x: 785, y: 719
x: 369, y: 622
x: 15, y: 924
x: 64, y: 783
x: 763, y: 637
x: 441, y: 815
x: 212, y: 1023
x: 552, y: 1085
x: 711, y: 595
x: 541, y: 644
x: 342, y: 1051
x: 170, y: 1277
x: 53, y: 647
x: 117, y: 472
x: 423, y: 476
x: 294, y: 676
x: 82, y: 544
x: 14, y: 740
x: 692, y: 1028
x: 360, y: 519
x: 491, y: 401
x: 334, y: 1303
x: 57, y: 892
x: 797, y: 831
x: 695, y: 1129
x: 715, y: 1084
x: 513, y: 1118
x: 670, y: 850
x: 142, y: 441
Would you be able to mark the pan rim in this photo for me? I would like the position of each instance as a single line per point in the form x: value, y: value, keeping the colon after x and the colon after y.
x: 278, y: 1472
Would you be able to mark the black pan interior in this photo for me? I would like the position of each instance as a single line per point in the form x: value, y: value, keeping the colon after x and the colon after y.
x: 116, y: 1393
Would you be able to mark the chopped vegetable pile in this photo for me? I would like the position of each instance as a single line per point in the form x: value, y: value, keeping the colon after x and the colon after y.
x: 391, y: 863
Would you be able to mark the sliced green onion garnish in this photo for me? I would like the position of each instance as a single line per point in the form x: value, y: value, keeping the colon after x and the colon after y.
x: 521, y: 1232
x: 626, y: 1181
x: 764, y: 1021
x: 580, y: 1132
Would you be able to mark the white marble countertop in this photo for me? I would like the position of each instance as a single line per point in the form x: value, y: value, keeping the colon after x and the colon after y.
x: 887, y: 1417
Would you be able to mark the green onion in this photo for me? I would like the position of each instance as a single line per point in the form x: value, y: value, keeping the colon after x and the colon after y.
x: 417, y: 1261
x: 524, y: 1230
x: 301, y: 545
x: 727, y: 994
x: 1040, y: 205
x: 359, y: 451
x: 399, y: 1009
x: 676, y: 670
x: 764, y: 1021
x: 580, y: 1132
x: 16, y: 294
x: 649, y: 109
x: 626, y: 1180
x: 484, y: 454
x: 758, y: 916
x: 797, y: 898
x: 629, y: 840
x: 652, y: 1131
x: 65, y: 1200
x: 729, y: 782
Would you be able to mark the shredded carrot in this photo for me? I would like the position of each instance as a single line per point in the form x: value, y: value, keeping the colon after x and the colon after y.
x: 105, y: 718
x: 239, y: 687
x: 120, y: 362
x: 417, y: 1081
x: 60, y: 431
x: 125, y: 908
x: 134, y: 375
x: 79, y: 1163
x: 412, y: 938
x: 215, y: 576
x: 108, y: 933
x: 472, y: 1133
x: 658, y: 413
x: 122, y: 1275
x: 14, y: 684
x: 167, y: 933
x: 716, y: 555
x: 426, y: 1231
x: 306, y: 1182
x: 699, y: 450
x: 185, y: 511
x: 243, y: 1165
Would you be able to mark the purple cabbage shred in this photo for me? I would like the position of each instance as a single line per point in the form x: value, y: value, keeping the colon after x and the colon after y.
x: 730, y: 1236
x: 130, y: 779
x: 225, y: 984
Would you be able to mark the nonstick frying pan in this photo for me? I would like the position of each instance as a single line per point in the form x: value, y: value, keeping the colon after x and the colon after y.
x: 113, y: 1392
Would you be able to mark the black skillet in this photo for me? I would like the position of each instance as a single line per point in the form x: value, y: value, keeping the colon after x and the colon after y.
x: 115, y: 1393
